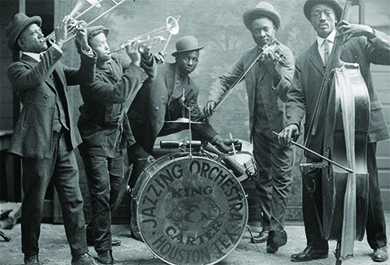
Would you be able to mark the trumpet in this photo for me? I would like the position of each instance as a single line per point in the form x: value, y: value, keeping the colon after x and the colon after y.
x: 75, y: 14
x: 144, y: 43
x: 171, y: 25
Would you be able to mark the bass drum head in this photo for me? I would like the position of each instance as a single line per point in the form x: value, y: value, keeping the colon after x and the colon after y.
x: 190, y: 210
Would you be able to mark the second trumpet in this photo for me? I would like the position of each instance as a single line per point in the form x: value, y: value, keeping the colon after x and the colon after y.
x: 145, y: 40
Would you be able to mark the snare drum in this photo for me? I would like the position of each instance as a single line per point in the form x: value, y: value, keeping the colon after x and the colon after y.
x: 190, y: 210
x: 245, y: 158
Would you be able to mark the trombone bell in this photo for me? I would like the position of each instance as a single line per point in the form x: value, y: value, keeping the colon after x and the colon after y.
x: 172, y: 25
x: 81, y: 3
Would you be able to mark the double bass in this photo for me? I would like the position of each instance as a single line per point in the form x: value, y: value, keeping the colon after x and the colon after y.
x: 345, y: 141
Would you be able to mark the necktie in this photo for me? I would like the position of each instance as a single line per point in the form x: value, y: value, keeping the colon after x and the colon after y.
x: 325, y: 45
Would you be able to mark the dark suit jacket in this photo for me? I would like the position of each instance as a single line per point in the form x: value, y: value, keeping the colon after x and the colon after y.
x: 260, y: 78
x: 308, y: 78
x: 153, y: 106
x: 33, y: 132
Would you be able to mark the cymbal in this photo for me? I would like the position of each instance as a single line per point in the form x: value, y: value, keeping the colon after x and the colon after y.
x: 185, y: 120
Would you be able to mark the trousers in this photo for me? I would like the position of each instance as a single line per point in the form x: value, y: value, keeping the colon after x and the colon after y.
x: 63, y: 171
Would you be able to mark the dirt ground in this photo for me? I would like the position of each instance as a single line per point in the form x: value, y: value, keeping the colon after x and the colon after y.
x: 54, y: 249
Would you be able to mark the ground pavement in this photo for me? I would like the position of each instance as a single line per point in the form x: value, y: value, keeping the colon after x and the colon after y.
x: 54, y: 249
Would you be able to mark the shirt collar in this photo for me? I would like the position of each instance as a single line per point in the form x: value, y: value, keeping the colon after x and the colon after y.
x: 330, y: 38
x: 35, y: 56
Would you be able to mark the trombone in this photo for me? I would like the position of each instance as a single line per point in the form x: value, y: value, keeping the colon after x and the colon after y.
x: 171, y: 25
x: 75, y: 14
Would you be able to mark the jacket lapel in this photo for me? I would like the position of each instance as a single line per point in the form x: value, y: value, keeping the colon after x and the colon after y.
x: 177, y: 90
x: 315, y: 59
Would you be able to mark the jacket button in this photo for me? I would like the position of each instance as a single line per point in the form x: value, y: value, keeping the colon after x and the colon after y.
x: 46, y: 96
x: 53, y: 107
x: 156, y: 108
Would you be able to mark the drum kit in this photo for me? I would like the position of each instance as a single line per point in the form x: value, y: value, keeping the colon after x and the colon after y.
x: 189, y: 206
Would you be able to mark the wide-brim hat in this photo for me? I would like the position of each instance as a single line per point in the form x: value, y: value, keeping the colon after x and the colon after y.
x: 187, y: 44
x: 18, y: 23
x: 263, y: 9
x: 338, y: 9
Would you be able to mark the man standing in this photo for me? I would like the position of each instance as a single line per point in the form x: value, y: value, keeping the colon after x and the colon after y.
x: 170, y: 97
x: 105, y: 130
x: 267, y: 83
x: 362, y: 45
x: 45, y: 135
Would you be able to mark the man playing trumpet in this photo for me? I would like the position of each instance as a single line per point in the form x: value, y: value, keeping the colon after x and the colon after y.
x: 105, y: 129
x: 45, y: 135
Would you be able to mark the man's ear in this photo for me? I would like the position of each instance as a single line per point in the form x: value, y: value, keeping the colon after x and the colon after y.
x: 20, y: 43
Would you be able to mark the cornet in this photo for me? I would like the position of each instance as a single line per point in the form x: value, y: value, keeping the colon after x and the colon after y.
x: 75, y: 14
x: 171, y: 25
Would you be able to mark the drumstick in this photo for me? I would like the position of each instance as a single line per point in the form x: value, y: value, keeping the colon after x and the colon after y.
x: 234, y: 148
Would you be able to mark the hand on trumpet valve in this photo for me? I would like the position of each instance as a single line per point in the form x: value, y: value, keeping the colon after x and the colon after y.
x: 146, y: 52
x: 132, y: 50
x: 82, y: 36
x: 160, y: 57
x: 61, y: 31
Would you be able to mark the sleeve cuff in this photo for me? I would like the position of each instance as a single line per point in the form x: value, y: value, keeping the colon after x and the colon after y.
x: 57, y: 47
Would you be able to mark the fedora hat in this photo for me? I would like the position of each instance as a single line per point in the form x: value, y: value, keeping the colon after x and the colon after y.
x: 263, y: 9
x: 338, y: 9
x: 186, y: 44
x: 18, y: 23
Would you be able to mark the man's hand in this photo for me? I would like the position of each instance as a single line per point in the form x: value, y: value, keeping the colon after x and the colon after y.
x: 290, y: 133
x: 160, y: 57
x: 224, y: 145
x: 348, y: 31
x: 132, y: 49
x: 82, y: 36
x: 61, y: 31
x: 209, y: 108
x: 146, y: 53
x: 270, y: 58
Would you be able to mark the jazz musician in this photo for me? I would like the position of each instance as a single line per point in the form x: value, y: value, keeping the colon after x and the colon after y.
x: 267, y: 83
x: 169, y: 97
x: 364, y: 46
x: 105, y: 129
x: 45, y: 135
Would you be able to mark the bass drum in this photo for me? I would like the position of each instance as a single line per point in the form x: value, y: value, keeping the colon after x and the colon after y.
x: 190, y: 209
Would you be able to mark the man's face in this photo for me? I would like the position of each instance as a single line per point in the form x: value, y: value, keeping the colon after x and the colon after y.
x: 323, y: 19
x: 100, y: 46
x: 32, y: 39
x: 263, y: 31
x: 187, y: 61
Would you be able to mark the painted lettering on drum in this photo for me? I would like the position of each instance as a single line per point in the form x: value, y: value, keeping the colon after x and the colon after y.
x: 192, y: 211
x: 188, y: 192
x: 178, y: 236
x: 174, y: 253
x: 195, y: 255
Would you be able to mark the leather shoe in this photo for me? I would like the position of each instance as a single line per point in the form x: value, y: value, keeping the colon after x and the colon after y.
x: 380, y: 254
x: 261, y: 238
x: 31, y: 260
x: 310, y: 253
x: 276, y: 239
x: 84, y: 259
x: 105, y: 257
